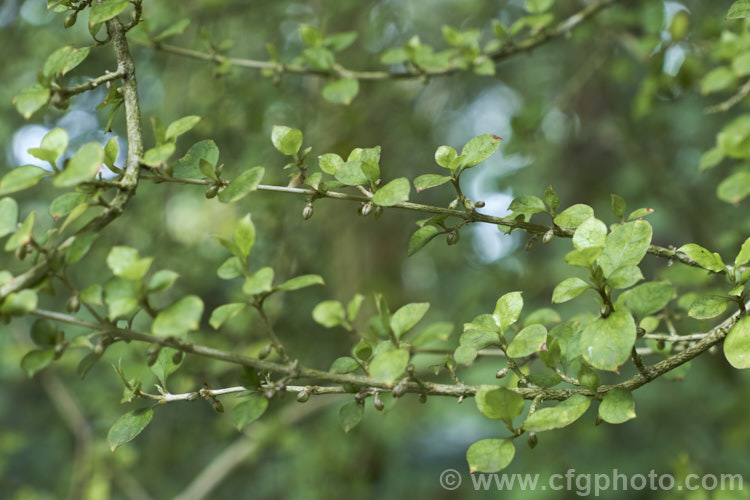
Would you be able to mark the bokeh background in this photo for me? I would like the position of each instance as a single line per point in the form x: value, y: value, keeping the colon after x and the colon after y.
x: 613, y: 108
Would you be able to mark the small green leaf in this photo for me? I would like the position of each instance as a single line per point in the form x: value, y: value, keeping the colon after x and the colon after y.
x: 34, y: 361
x: 126, y: 263
x: 508, y: 309
x: 739, y: 9
x: 625, y: 246
x: 617, y: 406
x: 737, y: 344
x: 21, y: 178
x: 718, y: 79
x: 704, y: 258
x: 8, y: 216
x: 121, y: 296
x: 44, y: 333
x: 176, y: 28
x: 428, y: 181
x: 189, y: 165
x: 56, y: 141
x: 351, y: 173
x: 606, y: 343
x: 340, y: 41
x: 329, y: 313
x: 590, y: 233
x: 711, y: 158
x: 618, y: 206
x: 260, y: 282
x: 249, y: 410
x: 528, y: 341
x: 19, y: 303
x: 499, y: 403
x: 310, y: 35
x: 744, y: 256
x: 244, y: 235
x: 161, y: 280
x: 407, y: 316
x: 479, y: 149
x: 65, y: 203
x: 490, y: 455
x: 436, y: 332
x: 344, y: 364
x: 444, y: 156
x: 588, y: 378
x: 341, y: 91
x: 538, y: 6
x: 573, y: 216
x: 64, y: 60
x: 165, y: 365
x: 396, y: 191
x: 569, y: 289
x: 330, y: 162
x: 625, y: 277
x: 734, y: 188
x: 156, y: 156
x: 81, y: 246
x: 105, y: 11
x: 179, y: 318
x: 648, y: 298
x: 82, y: 167
x: 128, y: 426
x: 246, y: 182
x: 389, y: 366
x: 527, y: 204
x: 301, y: 282
x: 23, y: 235
x: 421, y: 237
x: 286, y: 140
x: 179, y: 127
x: 563, y: 414
x: 31, y: 99
x: 224, y: 313
x: 350, y: 415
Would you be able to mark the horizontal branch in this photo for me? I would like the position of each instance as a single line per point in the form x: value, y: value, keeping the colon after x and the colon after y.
x: 469, y: 216
x: 337, y: 71
x: 90, y: 84
x: 459, y: 390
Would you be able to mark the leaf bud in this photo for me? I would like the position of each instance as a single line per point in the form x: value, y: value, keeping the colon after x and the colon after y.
x: 212, y: 191
x: 152, y: 354
x: 366, y: 209
x: 378, y: 403
x: 422, y: 397
x: 453, y: 237
x: 454, y: 204
x: 307, y: 212
x: 177, y: 357
x: 533, y: 440
x: 73, y: 304
x: 21, y: 252
x: 303, y: 396
x: 502, y: 372
x: 479, y: 204
x: 531, y: 243
x: 548, y: 236
x: 399, y: 390
x: 469, y: 205
x: 263, y: 354
x: 70, y: 20
x: 218, y: 406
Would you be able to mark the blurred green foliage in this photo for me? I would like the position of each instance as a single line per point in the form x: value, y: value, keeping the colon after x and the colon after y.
x: 615, y: 107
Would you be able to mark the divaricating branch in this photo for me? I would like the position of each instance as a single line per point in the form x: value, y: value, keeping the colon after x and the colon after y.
x: 509, y: 49
x: 295, y: 371
x: 470, y: 216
